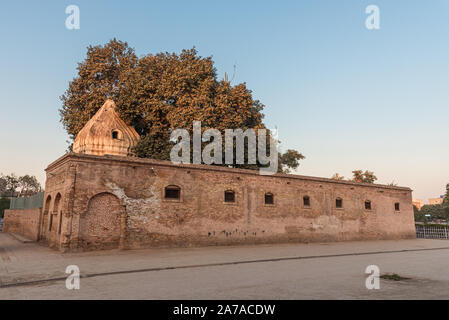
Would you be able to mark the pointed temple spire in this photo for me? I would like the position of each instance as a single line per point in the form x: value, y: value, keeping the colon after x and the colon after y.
x: 106, y: 133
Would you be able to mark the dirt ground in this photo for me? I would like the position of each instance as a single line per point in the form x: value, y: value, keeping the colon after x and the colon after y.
x: 284, y: 271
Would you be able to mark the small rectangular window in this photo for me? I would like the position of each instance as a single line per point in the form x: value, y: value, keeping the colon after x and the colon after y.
x: 172, y: 193
x: 306, y: 201
x: 229, y: 196
x: 367, y: 205
x: 339, y: 203
x: 269, y: 198
x: 396, y: 206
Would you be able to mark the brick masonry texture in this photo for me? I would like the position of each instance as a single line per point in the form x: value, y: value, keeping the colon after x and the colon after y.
x: 25, y: 222
x: 119, y: 202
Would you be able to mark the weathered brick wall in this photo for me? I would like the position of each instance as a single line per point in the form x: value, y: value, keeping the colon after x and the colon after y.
x: 23, y: 221
x: 58, y: 201
x: 100, y: 225
x: 138, y: 212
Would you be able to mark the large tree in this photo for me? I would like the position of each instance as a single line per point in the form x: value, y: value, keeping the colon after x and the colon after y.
x: 100, y: 77
x: 159, y: 93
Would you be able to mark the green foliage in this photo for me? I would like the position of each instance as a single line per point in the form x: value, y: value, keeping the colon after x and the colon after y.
x: 289, y: 160
x: 436, y: 211
x: 394, y: 277
x: 11, y: 185
x: 100, y: 77
x: 158, y: 93
x: 445, y: 226
x: 446, y: 201
x: 29, y: 185
x: 365, y: 177
x: 154, y: 146
x: 3, y: 185
x: 419, y: 217
x: 4, y: 204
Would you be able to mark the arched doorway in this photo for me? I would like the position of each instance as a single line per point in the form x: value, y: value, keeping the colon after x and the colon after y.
x: 100, y: 224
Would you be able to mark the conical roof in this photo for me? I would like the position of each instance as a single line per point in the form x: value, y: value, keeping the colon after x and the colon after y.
x: 106, y: 133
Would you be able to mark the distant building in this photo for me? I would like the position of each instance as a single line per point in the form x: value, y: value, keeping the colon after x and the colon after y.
x: 418, y: 203
x: 436, y: 200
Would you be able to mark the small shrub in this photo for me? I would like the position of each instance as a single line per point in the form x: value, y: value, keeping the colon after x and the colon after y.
x: 394, y: 277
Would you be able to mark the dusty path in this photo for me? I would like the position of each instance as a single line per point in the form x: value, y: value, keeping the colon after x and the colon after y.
x: 287, y: 271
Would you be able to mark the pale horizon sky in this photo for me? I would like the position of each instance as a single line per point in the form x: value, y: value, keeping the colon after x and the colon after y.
x: 346, y: 97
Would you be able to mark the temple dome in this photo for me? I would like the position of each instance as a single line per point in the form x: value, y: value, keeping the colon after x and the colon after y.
x: 106, y: 133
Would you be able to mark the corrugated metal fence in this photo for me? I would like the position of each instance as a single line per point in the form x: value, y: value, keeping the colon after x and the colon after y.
x: 432, y: 232
x: 31, y: 202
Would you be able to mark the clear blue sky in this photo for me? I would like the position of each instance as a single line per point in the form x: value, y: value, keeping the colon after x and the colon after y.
x: 346, y: 97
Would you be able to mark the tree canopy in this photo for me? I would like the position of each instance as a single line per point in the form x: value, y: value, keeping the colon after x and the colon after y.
x: 436, y: 211
x: 358, y: 176
x: 158, y: 93
x: 289, y: 160
x: 366, y: 177
x: 100, y: 76
x: 12, y: 185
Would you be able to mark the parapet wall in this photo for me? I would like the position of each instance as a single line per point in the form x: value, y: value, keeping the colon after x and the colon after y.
x: 23, y: 221
x: 111, y: 202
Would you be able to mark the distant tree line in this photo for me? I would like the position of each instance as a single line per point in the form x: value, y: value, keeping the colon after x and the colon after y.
x: 358, y: 176
x: 431, y: 212
x: 12, y: 185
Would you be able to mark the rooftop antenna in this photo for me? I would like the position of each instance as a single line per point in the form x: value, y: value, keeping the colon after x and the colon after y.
x: 233, y: 75
x: 226, y: 78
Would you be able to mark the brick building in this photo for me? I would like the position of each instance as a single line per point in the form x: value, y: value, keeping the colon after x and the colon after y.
x: 101, y: 201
